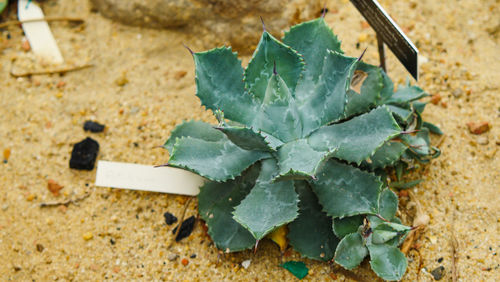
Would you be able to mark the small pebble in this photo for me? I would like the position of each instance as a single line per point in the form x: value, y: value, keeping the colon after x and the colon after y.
x: 87, y: 236
x: 246, y: 263
x: 6, y: 155
x: 93, y: 126
x: 186, y: 229
x: 122, y: 80
x: 84, y: 154
x: 170, y: 218
x: 192, y: 256
x: 438, y: 273
x: 440, y: 260
x: 482, y: 140
x: 54, y: 187
x: 112, y: 241
x: 5, y: 207
x: 478, y: 127
x: 39, y: 247
x: 457, y: 93
x: 172, y: 257
x: 180, y: 74
x: 185, y: 261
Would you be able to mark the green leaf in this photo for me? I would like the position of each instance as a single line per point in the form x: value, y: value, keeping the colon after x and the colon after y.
x: 350, y: 251
x: 402, y: 185
x: 195, y: 129
x: 401, y: 113
x: 386, y: 155
x: 370, y: 90
x: 388, y: 262
x: 433, y: 128
x: 419, y: 143
x: 216, y: 203
x: 344, y: 190
x: 297, y: 268
x: 387, y: 230
x: 246, y: 138
x: 219, y: 85
x: 358, y: 138
x: 269, y: 205
x: 278, y: 114
x: 347, y: 225
x: 388, y: 89
x: 326, y: 101
x: 406, y: 94
x: 388, y: 204
x: 297, y: 159
x: 270, y: 51
x: 419, y: 106
x: 219, y: 161
x: 310, y: 234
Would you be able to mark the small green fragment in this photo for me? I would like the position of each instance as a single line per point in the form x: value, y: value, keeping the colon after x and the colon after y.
x: 297, y: 268
x: 3, y: 4
x: 401, y: 185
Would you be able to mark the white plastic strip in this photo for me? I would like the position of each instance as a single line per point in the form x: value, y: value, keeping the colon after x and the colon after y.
x: 40, y: 37
x: 147, y: 178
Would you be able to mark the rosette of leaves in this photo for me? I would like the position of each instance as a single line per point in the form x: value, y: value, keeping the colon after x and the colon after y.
x: 304, y: 137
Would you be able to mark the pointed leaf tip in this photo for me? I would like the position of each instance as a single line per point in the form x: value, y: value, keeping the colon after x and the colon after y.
x: 263, y: 24
x: 323, y: 12
x: 362, y: 54
x: 274, y: 69
x: 189, y: 49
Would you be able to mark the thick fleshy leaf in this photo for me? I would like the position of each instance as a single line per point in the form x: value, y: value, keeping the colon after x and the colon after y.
x: 270, y: 54
x: 310, y: 234
x: 433, y: 128
x: 387, y: 90
x: 358, y: 138
x: 246, y: 138
x: 195, y: 129
x: 297, y: 159
x: 386, y: 155
x: 419, y: 143
x: 216, y: 203
x: 297, y: 268
x: 344, y: 190
x: 388, y: 204
x: 218, y: 161
x: 351, y: 251
x: 347, y: 225
x: 402, y: 114
x: 278, y: 114
x: 269, y: 205
x: 406, y: 94
x: 388, y: 230
x: 219, y: 85
x: 312, y: 40
x: 388, y: 262
x: 369, y: 93
x: 326, y: 100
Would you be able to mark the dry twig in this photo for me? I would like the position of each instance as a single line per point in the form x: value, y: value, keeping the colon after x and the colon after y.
x: 186, y: 205
x: 67, y: 202
x: 453, y: 243
x: 419, y: 223
x: 63, y: 70
x: 47, y: 19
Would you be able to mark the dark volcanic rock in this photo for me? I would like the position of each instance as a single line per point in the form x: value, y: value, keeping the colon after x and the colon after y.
x: 186, y: 229
x: 93, y: 126
x: 84, y: 154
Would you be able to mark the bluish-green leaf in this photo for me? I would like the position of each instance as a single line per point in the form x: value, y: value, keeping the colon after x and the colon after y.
x: 310, y: 234
x: 344, y: 190
x: 246, y: 138
x: 3, y: 4
x: 218, y: 161
x: 388, y: 204
x: 388, y: 89
x: 278, y: 114
x: 216, y: 203
x: 406, y: 94
x: 433, y: 128
x: 369, y: 93
x: 401, y: 185
x: 358, y: 138
x: 388, y: 262
x: 419, y: 143
x: 269, y: 205
x: 347, y: 225
x: 270, y: 51
x: 402, y: 114
x: 386, y: 155
x: 195, y: 129
x: 297, y: 268
x: 325, y: 102
x: 351, y: 251
x: 219, y: 85
x: 388, y: 230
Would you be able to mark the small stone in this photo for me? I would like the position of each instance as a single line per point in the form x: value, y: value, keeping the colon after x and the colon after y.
x: 84, y: 154
x: 30, y: 197
x: 5, y: 207
x: 60, y: 84
x: 170, y: 218
x: 457, y: 93
x: 435, y: 99
x: 186, y: 229
x: 172, y: 257
x: 440, y: 260
x: 112, y: 241
x: 180, y: 74
x: 122, y: 80
x: 246, y: 263
x: 25, y: 45
x: 39, y: 247
x: 482, y: 140
x: 93, y: 126
x: 362, y: 37
x: 438, y: 273
x: 87, y: 236
x: 54, y: 187
x: 478, y: 127
x: 185, y: 261
x: 6, y: 154
x: 192, y: 256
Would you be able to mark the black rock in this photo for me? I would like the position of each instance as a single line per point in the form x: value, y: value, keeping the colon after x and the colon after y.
x: 93, y: 126
x: 170, y: 218
x: 186, y: 229
x: 438, y: 273
x: 84, y: 154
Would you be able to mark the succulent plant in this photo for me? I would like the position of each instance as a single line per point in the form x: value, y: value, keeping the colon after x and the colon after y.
x: 305, y: 136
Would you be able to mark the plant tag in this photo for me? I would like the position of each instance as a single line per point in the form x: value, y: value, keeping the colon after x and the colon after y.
x: 40, y: 37
x: 147, y: 178
x: 390, y: 33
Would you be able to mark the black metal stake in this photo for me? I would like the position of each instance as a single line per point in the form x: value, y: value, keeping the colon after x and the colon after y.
x: 381, y: 52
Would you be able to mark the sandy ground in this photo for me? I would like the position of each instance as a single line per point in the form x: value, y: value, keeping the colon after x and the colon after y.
x: 41, y: 119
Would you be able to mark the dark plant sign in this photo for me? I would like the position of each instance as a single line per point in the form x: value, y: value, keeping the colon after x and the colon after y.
x: 305, y: 136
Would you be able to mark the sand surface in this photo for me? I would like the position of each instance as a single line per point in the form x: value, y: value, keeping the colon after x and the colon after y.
x: 122, y: 235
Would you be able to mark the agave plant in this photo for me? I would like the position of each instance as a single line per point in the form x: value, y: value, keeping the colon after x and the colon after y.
x: 304, y: 137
